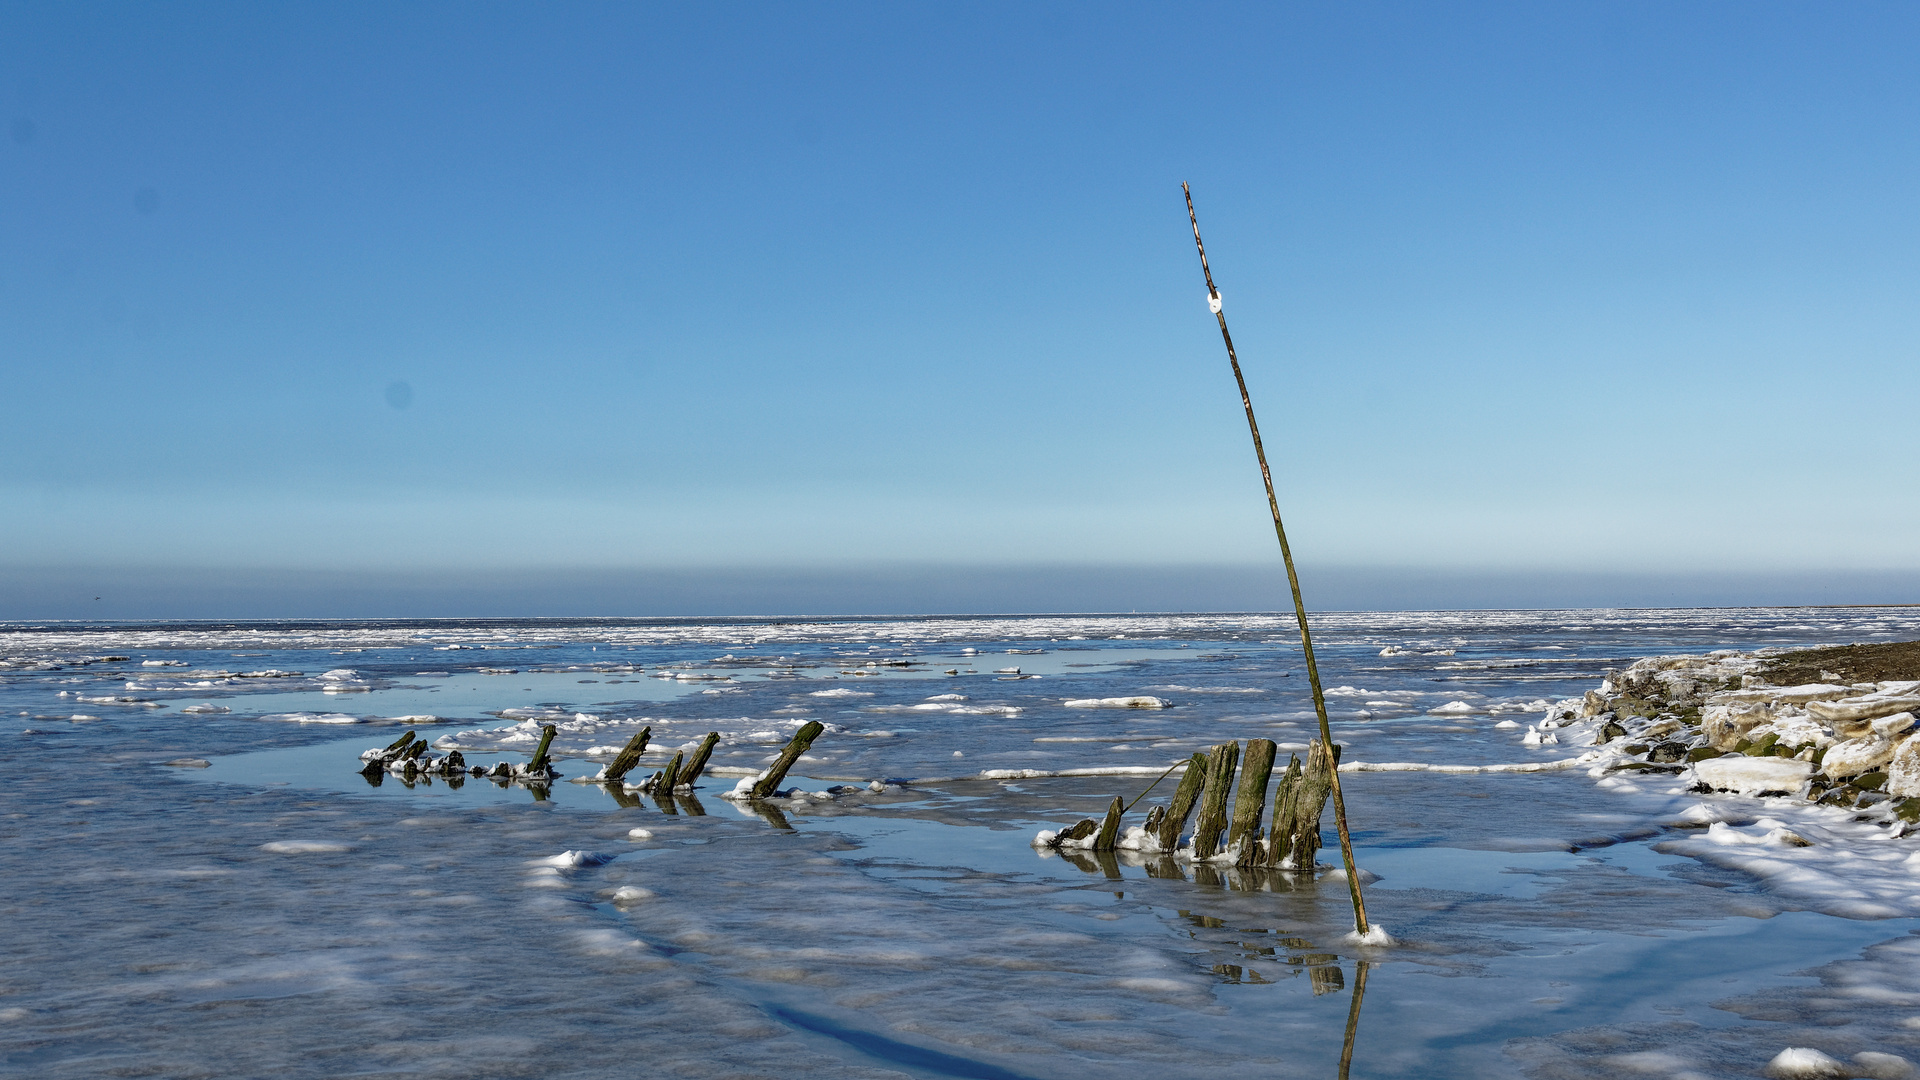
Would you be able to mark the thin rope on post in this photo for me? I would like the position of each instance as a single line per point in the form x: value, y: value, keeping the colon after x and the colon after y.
x: 1293, y: 579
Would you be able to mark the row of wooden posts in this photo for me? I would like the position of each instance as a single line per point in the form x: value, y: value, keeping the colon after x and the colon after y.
x: 683, y: 771
x: 1291, y: 843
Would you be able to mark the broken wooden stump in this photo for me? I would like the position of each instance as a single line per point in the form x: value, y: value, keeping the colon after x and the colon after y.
x: 379, y: 761
x: 1109, y: 836
x: 1079, y: 830
x: 1184, y: 798
x: 629, y: 756
x: 539, y: 762
x: 1155, y: 815
x: 407, y: 757
x: 698, y: 763
x: 1213, y: 801
x: 1251, y: 800
x: 1284, y: 799
x: 1296, y: 823
x: 769, y: 781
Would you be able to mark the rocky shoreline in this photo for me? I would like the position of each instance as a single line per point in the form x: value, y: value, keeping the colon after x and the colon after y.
x: 1724, y: 723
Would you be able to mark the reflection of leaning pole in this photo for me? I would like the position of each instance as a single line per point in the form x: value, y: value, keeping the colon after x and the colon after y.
x: 1293, y: 580
x: 1353, y: 1016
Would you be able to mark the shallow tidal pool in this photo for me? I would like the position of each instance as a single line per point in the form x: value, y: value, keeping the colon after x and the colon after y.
x: 203, y: 884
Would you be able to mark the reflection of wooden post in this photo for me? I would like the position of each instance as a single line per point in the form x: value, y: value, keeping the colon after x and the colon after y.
x: 769, y: 781
x: 1213, y: 801
x: 699, y: 763
x: 1251, y: 800
x: 629, y: 755
x: 1109, y: 828
x: 1184, y: 797
x: 772, y: 815
x: 1326, y: 979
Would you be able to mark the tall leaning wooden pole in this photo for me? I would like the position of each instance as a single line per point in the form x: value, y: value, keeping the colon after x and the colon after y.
x: 1293, y: 579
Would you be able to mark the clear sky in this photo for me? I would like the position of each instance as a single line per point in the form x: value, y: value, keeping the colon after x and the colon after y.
x: 1617, y: 289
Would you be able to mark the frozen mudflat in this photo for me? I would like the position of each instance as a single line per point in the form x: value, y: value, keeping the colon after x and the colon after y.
x: 203, y: 884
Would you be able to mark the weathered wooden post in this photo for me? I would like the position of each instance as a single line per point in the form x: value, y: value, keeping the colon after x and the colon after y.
x: 1299, y: 836
x: 539, y: 761
x: 670, y: 776
x: 629, y: 755
x: 1184, y: 797
x: 1213, y: 801
x: 698, y: 763
x: 1110, y: 828
x: 1280, y: 836
x: 1155, y: 815
x: 1251, y: 801
x: 769, y: 781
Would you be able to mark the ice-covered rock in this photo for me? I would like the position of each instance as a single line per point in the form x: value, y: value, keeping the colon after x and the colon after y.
x: 1856, y: 756
x: 1753, y: 776
x: 1891, y: 726
x: 1802, y: 1063
x: 1789, y: 695
x: 1862, y: 708
x: 1874, y: 1066
x: 1903, y: 770
x: 1725, y: 725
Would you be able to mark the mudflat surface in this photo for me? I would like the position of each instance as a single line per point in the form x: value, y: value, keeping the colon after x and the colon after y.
x: 1885, y: 661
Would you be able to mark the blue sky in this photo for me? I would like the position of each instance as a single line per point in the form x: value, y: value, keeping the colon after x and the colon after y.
x: 1538, y: 289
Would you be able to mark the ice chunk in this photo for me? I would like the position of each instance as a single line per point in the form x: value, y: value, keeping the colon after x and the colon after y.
x: 312, y: 718
x: 1856, y: 756
x: 1376, y: 936
x: 1801, y: 1063
x: 1876, y: 1066
x: 1118, y: 703
x: 1753, y: 776
x: 1339, y: 873
x: 1451, y: 708
x: 304, y: 847
x: 577, y: 858
x: 1903, y: 772
x: 639, y: 834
